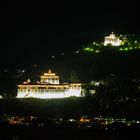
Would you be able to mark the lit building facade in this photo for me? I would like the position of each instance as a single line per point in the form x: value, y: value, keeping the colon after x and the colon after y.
x: 112, y: 40
x: 48, y: 87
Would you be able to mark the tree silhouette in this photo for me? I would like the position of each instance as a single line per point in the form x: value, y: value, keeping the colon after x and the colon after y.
x: 73, y: 77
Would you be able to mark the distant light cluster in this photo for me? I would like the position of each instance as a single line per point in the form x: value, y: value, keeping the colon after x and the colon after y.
x: 123, y: 43
x: 112, y: 40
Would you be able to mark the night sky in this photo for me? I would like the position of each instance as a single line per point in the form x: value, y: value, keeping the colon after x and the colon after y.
x: 34, y: 33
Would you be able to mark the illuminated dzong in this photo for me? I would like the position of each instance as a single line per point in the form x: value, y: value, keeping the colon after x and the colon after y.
x: 112, y: 40
x: 48, y: 87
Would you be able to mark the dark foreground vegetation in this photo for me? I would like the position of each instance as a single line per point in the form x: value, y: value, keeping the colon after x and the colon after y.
x: 69, y: 134
x: 70, y: 108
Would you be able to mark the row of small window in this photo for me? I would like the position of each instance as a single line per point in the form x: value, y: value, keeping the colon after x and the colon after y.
x: 54, y: 79
x: 41, y: 90
x: 75, y: 87
x: 44, y: 89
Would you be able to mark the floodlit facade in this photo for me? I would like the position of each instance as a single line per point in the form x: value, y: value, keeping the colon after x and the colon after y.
x: 48, y: 87
x: 112, y: 40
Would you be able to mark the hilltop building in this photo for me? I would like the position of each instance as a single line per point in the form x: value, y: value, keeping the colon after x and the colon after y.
x: 48, y: 87
x: 112, y: 40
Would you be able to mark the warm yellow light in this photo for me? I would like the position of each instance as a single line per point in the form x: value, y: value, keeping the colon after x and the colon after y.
x: 47, y: 74
x: 113, y: 40
x: 84, y: 120
x: 48, y: 87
